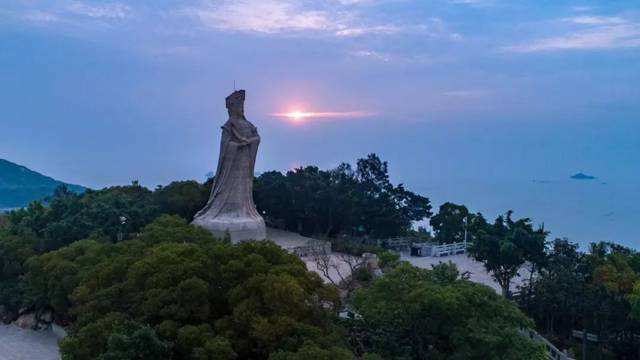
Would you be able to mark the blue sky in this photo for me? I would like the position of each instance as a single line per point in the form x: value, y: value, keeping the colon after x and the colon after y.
x: 469, y: 100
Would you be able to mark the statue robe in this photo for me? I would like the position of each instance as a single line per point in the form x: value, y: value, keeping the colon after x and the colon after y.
x: 230, y: 206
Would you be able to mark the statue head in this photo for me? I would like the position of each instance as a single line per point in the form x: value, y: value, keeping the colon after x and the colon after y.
x: 235, y: 103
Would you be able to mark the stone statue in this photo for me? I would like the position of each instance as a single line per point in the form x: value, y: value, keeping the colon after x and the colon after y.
x: 230, y: 207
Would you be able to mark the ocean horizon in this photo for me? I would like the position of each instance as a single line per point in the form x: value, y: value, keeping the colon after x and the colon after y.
x: 584, y: 211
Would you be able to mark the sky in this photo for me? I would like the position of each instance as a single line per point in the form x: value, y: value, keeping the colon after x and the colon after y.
x: 490, y: 103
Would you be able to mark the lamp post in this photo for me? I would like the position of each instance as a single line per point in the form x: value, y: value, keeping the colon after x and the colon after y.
x: 466, y: 223
x: 123, y: 221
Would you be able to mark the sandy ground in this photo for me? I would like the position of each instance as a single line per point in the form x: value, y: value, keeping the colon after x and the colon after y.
x: 476, y: 270
x: 464, y: 263
x: 339, y: 266
x: 19, y: 344
x: 288, y: 240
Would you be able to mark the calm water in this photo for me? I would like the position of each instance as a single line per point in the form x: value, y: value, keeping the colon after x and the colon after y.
x: 584, y: 211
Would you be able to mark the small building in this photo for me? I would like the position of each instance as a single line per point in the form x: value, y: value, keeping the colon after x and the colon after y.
x: 421, y: 249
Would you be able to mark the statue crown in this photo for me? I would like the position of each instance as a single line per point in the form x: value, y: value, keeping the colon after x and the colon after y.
x: 236, y: 97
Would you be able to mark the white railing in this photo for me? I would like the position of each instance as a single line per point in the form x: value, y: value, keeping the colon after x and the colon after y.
x: 553, y: 353
x: 590, y: 337
x: 427, y: 249
x: 449, y: 249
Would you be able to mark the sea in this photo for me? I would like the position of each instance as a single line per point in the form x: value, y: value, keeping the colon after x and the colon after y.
x: 584, y: 211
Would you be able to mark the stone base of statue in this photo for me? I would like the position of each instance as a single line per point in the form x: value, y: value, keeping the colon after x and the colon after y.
x: 230, y: 208
x: 239, y: 229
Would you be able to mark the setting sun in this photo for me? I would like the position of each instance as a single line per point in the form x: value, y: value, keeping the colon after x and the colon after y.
x: 298, y: 116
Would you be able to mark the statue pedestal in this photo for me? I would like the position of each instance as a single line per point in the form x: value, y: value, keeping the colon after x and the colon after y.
x: 240, y: 229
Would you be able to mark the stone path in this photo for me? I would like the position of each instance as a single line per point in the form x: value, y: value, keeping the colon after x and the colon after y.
x: 20, y: 344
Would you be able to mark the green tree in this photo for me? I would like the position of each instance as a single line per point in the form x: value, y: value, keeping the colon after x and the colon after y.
x: 612, y: 281
x: 183, y: 198
x: 560, y: 292
x: 588, y: 291
x: 132, y: 341
x: 73, y: 217
x: 274, y: 200
x: 360, y: 202
x: 446, y: 273
x: 414, y: 313
x: 60, y: 192
x: 634, y: 299
x: 504, y: 246
x: 449, y: 223
x: 313, y: 352
x: 381, y: 209
x: 388, y: 259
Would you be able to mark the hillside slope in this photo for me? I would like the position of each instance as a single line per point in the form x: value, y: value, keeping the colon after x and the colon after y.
x: 20, y: 185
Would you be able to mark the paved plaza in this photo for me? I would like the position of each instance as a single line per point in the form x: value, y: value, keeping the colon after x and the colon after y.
x: 464, y: 263
x: 20, y: 344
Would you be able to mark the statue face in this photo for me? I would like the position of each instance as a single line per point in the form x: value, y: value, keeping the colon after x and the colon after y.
x: 235, y: 103
x: 235, y: 107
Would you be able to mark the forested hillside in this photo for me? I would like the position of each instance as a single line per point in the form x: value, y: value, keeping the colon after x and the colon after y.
x: 19, y: 185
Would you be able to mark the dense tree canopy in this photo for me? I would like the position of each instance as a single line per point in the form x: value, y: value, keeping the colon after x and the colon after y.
x: 634, y: 300
x: 595, y: 291
x: 414, y: 313
x: 175, y: 292
x: 71, y: 217
x: 202, y: 296
x: 360, y: 202
x: 184, y: 198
